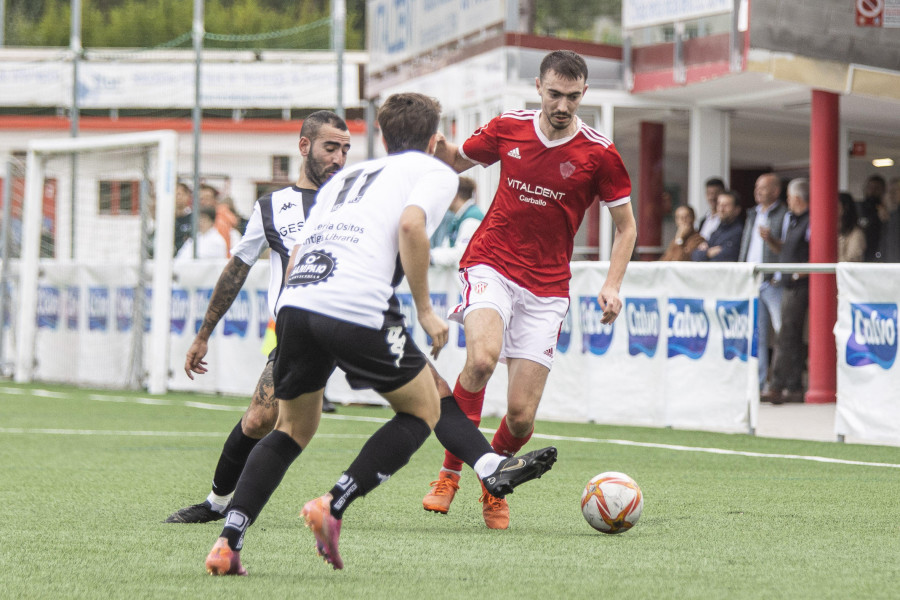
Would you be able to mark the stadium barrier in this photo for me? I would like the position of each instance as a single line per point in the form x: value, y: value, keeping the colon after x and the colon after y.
x: 682, y: 353
x: 868, y: 377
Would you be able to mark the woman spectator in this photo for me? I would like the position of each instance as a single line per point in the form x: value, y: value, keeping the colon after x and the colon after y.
x: 686, y: 237
x: 851, y: 238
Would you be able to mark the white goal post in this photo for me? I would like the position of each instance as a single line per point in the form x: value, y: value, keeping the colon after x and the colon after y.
x: 164, y: 146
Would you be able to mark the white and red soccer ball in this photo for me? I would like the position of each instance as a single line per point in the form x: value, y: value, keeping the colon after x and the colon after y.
x: 612, y: 502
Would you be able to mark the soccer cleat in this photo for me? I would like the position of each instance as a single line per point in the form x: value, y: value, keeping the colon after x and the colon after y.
x: 442, y: 492
x: 197, y: 513
x: 494, y: 510
x: 222, y: 560
x: 327, y: 529
x: 516, y: 470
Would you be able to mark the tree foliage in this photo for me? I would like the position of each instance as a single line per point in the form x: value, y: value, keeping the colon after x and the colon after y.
x: 148, y: 23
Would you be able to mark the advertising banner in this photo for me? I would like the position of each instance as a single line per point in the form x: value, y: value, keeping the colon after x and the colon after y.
x: 868, y: 375
x: 678, y: 355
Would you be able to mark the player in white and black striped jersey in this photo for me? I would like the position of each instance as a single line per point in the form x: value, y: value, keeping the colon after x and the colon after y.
x: 275, y: 224
x: 370, y: 227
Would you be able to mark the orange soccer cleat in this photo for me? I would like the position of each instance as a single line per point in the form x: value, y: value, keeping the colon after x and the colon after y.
x: 442, y: 492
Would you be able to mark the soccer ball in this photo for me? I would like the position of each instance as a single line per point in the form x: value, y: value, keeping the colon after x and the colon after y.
x: 612, y: 502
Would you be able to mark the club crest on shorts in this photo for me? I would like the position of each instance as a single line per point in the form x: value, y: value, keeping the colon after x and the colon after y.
x: 480, y: 287
x: 566, y: 169
x: 312, y: 268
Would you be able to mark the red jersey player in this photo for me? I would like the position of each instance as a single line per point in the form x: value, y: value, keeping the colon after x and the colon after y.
x: 515, y: 271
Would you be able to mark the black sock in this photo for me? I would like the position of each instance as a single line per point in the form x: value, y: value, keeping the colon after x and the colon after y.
x: 232, y: 460
x: 266, y: 466
x: 383, y: 454
x: 458, y: 434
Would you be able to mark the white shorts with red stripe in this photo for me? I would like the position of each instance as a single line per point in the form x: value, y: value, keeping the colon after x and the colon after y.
x: 531, y: 324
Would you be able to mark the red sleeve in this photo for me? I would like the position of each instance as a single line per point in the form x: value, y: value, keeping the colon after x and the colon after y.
x: 481, y: 147
x: 611, y: 179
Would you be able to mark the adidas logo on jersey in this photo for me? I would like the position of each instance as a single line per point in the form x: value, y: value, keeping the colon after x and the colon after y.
x: 514, y: 153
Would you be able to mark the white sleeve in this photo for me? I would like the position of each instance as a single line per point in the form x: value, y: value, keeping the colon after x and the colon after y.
x: 254, y: 240
x: 433, y: 193
x: 186, y: 251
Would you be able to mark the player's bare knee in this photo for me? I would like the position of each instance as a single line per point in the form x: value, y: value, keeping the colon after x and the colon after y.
x: 520, y: 422
x: 258, y: 420
x: 430, y: 412
x: 480, y: 367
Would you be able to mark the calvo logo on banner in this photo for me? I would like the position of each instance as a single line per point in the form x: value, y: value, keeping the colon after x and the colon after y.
x: 643, y: 321
x: 237, y: 318
x: 596, y: 337
x: 873, y: 338
x: 734, y: 319
x: 688, y: 328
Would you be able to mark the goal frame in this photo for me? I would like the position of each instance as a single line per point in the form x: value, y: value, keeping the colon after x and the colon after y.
x: 166, y: 142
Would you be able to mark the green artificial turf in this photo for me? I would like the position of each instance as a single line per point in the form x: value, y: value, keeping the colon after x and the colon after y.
x: 87, y: 477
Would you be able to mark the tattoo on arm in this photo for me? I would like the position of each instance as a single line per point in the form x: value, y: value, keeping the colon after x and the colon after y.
x: 227, y: 287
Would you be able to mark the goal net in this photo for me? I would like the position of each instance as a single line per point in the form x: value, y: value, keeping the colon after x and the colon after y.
x: 95, y: 274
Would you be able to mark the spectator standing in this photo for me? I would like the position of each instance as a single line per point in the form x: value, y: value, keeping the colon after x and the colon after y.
x: 790, y: 351
x: 871, y: 211
x: 890, y: 228
x: 761, y: 243
x: 226, y: 220
x: 851, y: 239
x: 724, y: 244
x: 710, y: 222
x: 686, y: 239
x: 209, y: 243
x: 465, y: 217
x: 184, y: 221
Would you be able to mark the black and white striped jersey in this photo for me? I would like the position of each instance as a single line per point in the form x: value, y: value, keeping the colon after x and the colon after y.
x: 275, y: 223
x: 347, y: 263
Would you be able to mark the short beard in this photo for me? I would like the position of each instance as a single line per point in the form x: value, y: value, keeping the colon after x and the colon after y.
x: 311, y: 174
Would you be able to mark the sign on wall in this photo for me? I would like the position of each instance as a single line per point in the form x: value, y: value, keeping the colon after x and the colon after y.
x: 402, y: 29
x: 643, y: 13
x: 877, y: 13
x: 171, y: 85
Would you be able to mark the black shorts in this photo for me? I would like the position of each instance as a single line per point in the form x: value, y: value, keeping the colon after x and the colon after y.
x: 310, y: 345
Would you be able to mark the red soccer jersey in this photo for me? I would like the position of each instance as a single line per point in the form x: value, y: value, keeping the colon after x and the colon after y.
x: 546, y: 186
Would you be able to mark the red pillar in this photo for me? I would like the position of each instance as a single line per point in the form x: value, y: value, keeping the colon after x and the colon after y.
x: 823, y: 218
x: 649, y: 220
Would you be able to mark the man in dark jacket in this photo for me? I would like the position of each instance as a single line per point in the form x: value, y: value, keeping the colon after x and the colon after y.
x: 724, y: 244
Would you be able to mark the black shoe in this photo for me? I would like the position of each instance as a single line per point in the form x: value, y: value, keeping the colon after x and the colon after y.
x: 328, y: 406
x: 198, y: 513
x: 516, y: 470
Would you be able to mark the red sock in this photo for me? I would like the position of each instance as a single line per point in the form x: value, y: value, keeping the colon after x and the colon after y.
x: 470, y: 403
x: 505, y: 442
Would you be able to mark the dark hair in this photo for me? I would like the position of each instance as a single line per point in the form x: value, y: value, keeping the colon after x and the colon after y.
x: 734, y: 196
x: 208, y: 211
x: 689, y: 208
x: 466, y: 188
x: 206, y: 186
x: 185, y: 187
x: 314, y: 121
x: 877, y: 178
x: 564, y: 63
x: 715, y: 181
x: 408, y: 121
x: 849, y: 215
